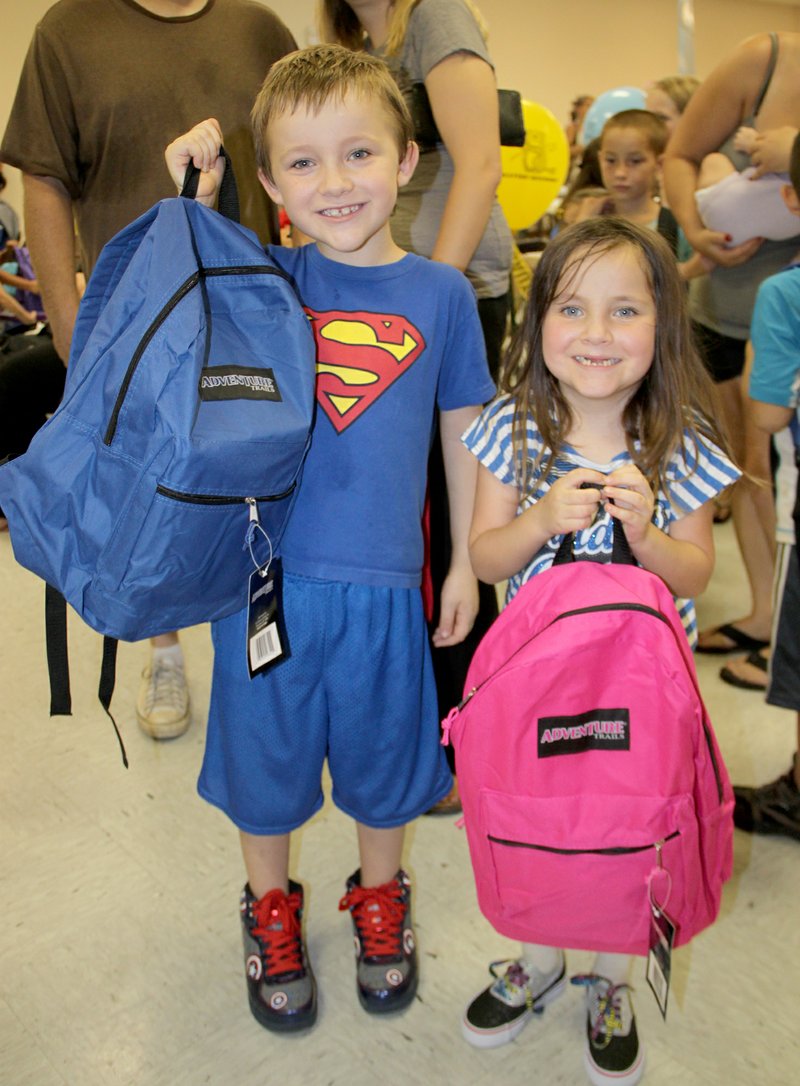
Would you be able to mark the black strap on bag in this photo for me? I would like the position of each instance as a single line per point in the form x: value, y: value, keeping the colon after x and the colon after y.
x: 228, y: 197
x: 621, y: 554
x: 55, y: 610
x: 509, y: 106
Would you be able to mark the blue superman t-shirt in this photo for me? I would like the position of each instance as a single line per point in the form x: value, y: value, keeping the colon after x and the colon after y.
x: 393, y: 343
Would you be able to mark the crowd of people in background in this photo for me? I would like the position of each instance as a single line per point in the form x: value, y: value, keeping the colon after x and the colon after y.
x: 711, y: 167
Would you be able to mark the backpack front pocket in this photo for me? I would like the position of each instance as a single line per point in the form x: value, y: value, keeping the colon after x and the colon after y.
x: 570, y: 871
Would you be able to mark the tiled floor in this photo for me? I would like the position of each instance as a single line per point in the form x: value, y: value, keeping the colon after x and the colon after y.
x: 119, y: 942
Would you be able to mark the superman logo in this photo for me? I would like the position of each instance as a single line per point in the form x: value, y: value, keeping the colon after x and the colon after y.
x: 359, y: 355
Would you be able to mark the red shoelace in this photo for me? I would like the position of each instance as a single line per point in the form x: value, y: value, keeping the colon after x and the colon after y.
x: 378, y: 912
x: 277, y: 929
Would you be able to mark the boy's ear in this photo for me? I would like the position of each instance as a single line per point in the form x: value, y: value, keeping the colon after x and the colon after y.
x: 405, y: 171
x: 791, y: 199
x: 270, y: 188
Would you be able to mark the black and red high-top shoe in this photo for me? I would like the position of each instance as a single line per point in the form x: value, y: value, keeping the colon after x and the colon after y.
x: 280, y: 985
x: 386, y: 955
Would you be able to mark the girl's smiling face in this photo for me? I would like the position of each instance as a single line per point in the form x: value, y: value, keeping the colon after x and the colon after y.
x: 598, y: 334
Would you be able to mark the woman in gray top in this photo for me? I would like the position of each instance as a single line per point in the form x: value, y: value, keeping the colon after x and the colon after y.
x: 756, y: 85
x: 448, y: 211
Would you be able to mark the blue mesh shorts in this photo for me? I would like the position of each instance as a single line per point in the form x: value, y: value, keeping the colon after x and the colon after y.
x: 358, y: 689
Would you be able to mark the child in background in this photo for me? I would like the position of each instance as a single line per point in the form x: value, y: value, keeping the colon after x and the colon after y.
x: 582, y: 204
x: 669, y: 97
x: 739, y: 204
x: 607, y: 414
x: 632, y: 146
x: 397, y: 337
x: 774, y: 808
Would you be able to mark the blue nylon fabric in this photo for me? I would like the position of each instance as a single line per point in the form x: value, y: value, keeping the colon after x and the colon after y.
x: 84, y: 512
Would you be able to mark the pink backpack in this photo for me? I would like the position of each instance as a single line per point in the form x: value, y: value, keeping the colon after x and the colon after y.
x: 591, y: 780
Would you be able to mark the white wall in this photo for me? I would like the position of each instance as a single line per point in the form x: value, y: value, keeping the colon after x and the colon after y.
x: 549, y: 51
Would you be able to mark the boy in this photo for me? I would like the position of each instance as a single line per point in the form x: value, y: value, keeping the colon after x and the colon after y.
x: 632, y: 146
x: 774, y: 808
x: 397, y: 336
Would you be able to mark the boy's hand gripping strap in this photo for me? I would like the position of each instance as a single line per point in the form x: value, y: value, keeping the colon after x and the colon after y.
x: 55, y: 612
x: 228, y: 199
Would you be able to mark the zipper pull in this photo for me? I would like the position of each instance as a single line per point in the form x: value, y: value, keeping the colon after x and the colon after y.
x: 658, y: 847
x: 253, y: 522
x: 471, y: 694
x: 447, y: 723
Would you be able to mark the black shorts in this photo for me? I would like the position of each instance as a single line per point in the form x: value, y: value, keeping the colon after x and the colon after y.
x: 723, y: 355
x: 784, y: 679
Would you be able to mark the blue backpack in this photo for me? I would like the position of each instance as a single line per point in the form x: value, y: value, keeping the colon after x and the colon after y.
x: 184, y: 425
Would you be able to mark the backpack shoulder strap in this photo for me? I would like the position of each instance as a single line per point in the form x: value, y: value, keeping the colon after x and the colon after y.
x: 55, y: 610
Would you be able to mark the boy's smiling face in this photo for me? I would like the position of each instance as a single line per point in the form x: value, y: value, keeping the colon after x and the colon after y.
x: 337, y: 172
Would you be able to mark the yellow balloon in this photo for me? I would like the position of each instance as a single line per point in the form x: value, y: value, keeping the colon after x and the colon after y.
x: 533, y: 174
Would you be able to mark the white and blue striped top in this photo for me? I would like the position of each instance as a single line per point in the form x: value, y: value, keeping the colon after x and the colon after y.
x: 694, y: 475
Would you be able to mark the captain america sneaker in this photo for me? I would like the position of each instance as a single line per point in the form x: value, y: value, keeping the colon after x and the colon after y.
x: 500, y: 1012
x: 280, y: 985
x: 613, y: 1055
x: 386, y: 953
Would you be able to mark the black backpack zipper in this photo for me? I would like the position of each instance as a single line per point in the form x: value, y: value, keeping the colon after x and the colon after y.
x: 217, y: 499
x: 621, y: 850
x: 184, y: 289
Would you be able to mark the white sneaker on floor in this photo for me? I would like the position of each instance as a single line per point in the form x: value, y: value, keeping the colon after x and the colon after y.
x: 162, y: 707
x: 613, y: 1055
x: 500, y: 1012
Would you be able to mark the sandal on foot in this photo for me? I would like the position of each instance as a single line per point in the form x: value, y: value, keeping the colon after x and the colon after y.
x: 740, y: 641
x: 773, y: 808
x: 449, y: 804
x: 755, y: 660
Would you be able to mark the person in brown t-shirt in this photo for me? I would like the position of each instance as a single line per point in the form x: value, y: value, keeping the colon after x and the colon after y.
x: 105, y: 87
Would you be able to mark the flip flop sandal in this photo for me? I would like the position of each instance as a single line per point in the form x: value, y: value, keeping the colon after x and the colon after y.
x: 449, y: 805
x: 742, y: 642
x: 755, y: 659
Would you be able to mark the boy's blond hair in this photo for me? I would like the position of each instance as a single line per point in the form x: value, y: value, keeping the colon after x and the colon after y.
x: 311, y: 77
x: 651, y: 127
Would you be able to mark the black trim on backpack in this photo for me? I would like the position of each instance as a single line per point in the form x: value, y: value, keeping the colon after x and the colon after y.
x: 195, y: 279
x: 55, y: 623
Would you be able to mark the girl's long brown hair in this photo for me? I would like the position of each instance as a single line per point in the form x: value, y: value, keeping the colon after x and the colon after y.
x: 677, y: 393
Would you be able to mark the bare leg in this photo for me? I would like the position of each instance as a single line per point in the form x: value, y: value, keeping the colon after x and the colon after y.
x: 753, y: 516
x: 380, y: 852
x: 266, y: 860
x: 164, y: 641
x: 614, y: 967
x: 754, y: 521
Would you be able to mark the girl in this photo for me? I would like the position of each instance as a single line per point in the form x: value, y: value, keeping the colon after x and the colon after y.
x: 607, y: 414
